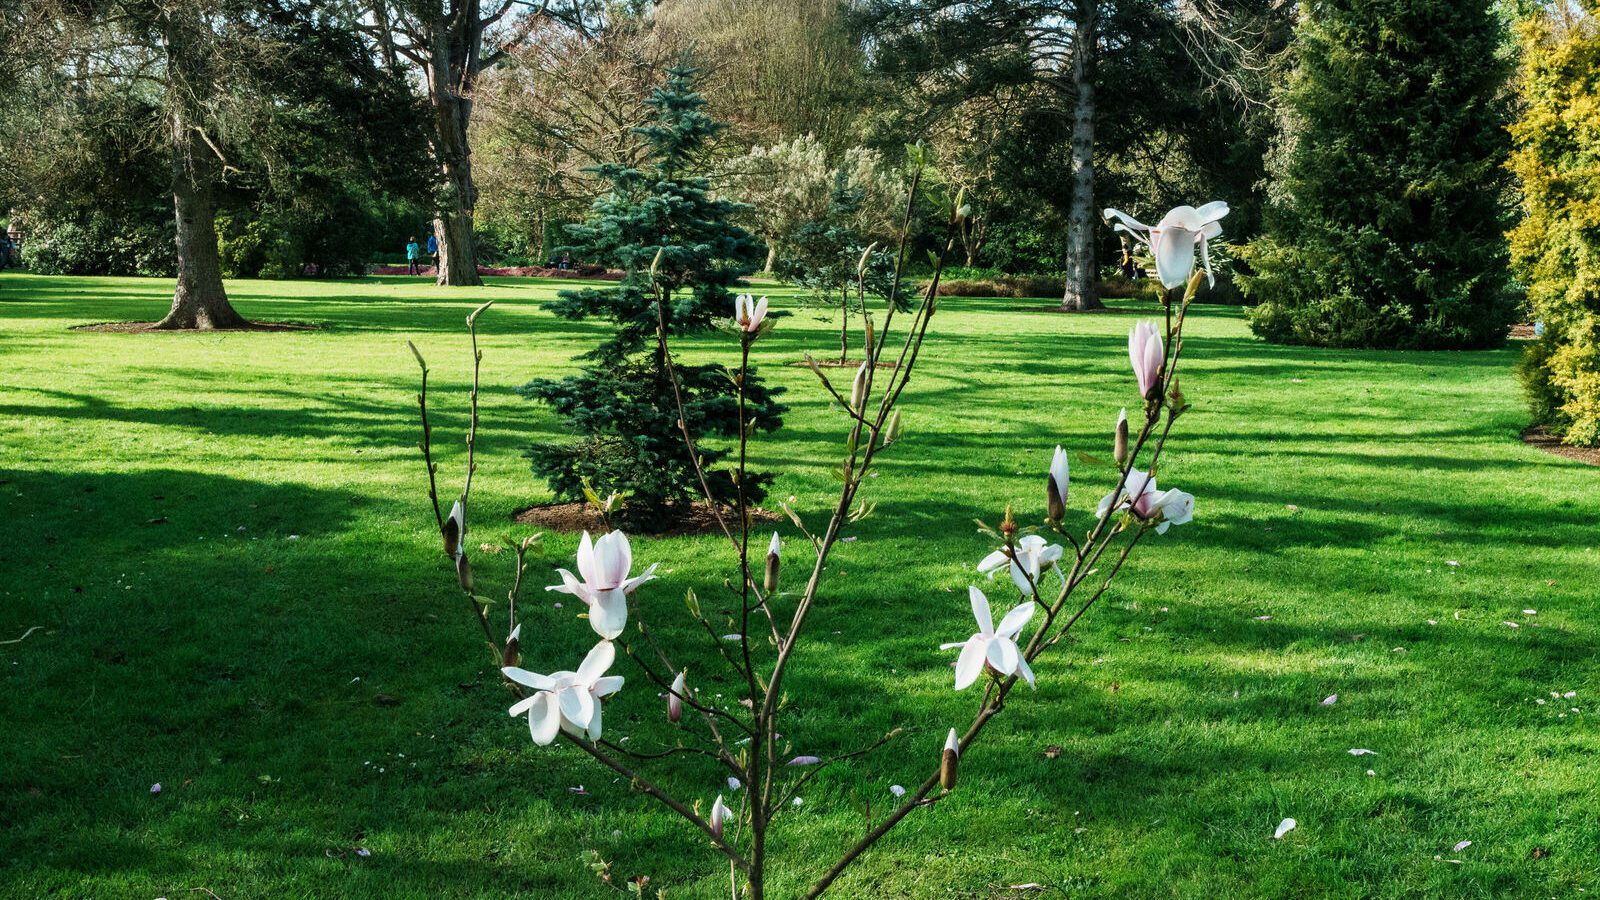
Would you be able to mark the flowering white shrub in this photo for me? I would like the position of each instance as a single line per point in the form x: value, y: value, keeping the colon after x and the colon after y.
x: 1055, y: 585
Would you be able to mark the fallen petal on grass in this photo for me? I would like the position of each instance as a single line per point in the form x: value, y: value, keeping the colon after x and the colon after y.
x: 1284, y: 827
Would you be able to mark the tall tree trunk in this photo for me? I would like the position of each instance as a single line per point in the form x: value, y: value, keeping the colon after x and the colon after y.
x: 199, y: 301
x: 1080, y: 292
x: 772, y: 258
x: 453, y: 63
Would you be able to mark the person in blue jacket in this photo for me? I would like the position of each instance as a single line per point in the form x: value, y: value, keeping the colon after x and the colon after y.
x: 413, y: 252
x: 433, y: 250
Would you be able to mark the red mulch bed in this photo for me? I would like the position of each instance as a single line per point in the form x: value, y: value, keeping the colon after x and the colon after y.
x: 847, y: 364
x: 582, y: 517
x: 1539, y: 436
x: 150, y: 328
x: 1522, y: 331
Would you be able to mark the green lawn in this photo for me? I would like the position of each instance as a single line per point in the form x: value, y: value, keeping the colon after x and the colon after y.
x: 226, y: 541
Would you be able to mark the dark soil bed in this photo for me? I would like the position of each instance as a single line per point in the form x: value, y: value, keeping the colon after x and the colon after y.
x: 581, y: 517
x: 1539, y: 436
x: 847, y: 364
x: 150, y: 328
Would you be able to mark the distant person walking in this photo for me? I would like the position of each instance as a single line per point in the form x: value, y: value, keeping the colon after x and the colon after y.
x: 413, y: 257
x: 5, y: 250
x: 1125, y: 262
x: 433, y: 250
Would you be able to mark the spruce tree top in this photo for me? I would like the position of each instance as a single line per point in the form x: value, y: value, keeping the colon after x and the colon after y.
x: 658, y: 208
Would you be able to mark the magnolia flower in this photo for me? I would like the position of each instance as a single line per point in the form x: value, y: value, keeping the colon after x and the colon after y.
x: 749, y: 312
x: 1056, y: 485
x: 675, y: 698
x: 1164, y: 508
x: 996, y: 646
x: 719, y: 815
x: 1172, y: 239
x: 605, y: 584
x: 567, y: 701
x: 1033, y: 556
x: 1147, y: 354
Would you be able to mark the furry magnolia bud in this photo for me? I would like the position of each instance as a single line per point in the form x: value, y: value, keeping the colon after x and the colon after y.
x: 769, y: 583
x: 950, y: 761
x: 1120, y: 448
x: 513, y: 651
x: 464, y: 572
x: 1056, y: 485
x: 858, y: 388
x: 454, y: 530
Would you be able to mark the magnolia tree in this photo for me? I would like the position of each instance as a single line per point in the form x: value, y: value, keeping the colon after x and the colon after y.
x: 563, y: 694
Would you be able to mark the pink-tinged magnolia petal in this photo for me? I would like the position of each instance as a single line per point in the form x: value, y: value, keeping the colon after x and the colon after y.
x: 953, y: 743
x: 586, y: 562
x: 577, y: 706
x: 734, y: 784
x: 774, y: 546
x: 1174, y: 253
x: 992, y: 563
x: 605, y: 687
x: 759, y: 314
x: 1126, y: 221
x: 528, y: 679
x: 609, y: 615
x: 155, y: 788
x: 1211, y: 212
x: 897, y: 790
x: 526, y: 703
x: 1362, y: 751
x: 675, y: 698
x: 1330, y: 700
x: 544, y: 719
x: 1015, y: 620
x: 805, y: 760
x: 613, y: 557
x: 719, y: 816
x: 1284, y: 827
x: 630, y: 584
x: 1025, y: 672
x: 596, y: 662
x: 1460, y: 846
x: 970, y: 664
x: 1003, y: 656
x: 980, y: 611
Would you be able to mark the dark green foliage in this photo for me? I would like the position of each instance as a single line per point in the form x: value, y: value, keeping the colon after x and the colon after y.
x: 621, y: 405
x: 1387, y: 228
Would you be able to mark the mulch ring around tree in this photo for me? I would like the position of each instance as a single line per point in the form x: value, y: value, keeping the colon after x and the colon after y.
x: 572, y: 517
x: 150, y: 328
x: 1522, y: 331
x: 1539, y: 436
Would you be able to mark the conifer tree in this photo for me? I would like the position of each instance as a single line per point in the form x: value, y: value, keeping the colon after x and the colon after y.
x: 1556, y: 247
x: 1386, y: 224
x: 680, y: 254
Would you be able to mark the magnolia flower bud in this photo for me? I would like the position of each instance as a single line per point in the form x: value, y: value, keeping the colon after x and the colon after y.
x: 513, y: 651
x: 770, y: 582
x: 949, y: 761
x: 858, y: 388
x: 1055, y: 485
x: 891, y: 432
x: 719, y: 815
x: 1176, y: 394
x: 464, y: 572
x: 454, y: 530
x: 1120, y: 449
x: 861, y: 267
x: 1008, y: 525
x: 675, y: 699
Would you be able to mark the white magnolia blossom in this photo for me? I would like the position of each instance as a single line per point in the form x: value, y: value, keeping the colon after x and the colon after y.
x: 603, y: 581
x: 568, y: 701
x: 1057, y: 483
x: 1140, y: 495
x: 676, y: 695
x: 1173, y: 238
x: 995, y: 646
x: 748, y: 312
x: 1033, y: 556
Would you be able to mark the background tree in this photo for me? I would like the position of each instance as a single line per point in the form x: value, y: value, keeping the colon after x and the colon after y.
x: 680, y: 254
x: 1386, y: 231
x: 446, y: 41
x: 1556, y: 247
x: 230, y: 99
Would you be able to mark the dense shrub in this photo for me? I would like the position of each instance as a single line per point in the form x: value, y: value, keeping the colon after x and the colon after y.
x: 1385, y: 230
x: 1018, y: 286
x: 94, y: 243
x: 1556, y: 248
